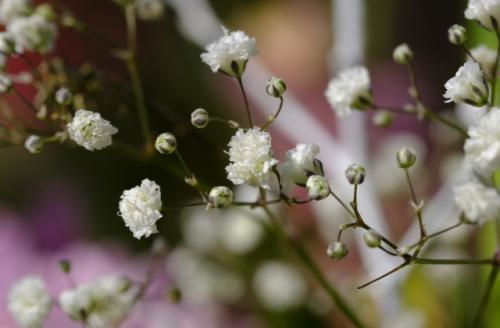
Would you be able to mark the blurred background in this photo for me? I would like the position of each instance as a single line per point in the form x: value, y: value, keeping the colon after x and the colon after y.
x: 63, y: 202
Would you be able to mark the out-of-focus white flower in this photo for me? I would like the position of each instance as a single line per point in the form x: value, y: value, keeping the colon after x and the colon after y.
x: 33, y: 144
x: 279, y: 286
x: 251, y: 158
x: 402, y: 54
x: 317, y: 187
x: 485, y: 56
x: 89, y: 130
x: 349, y: 90
x: 477, y: 202
x: 149, y: 9
x: 298, y: 160
x: 230, y: 53
x: 11, y: 9
x: 33, y: 33
x: 482, y: 148
x: 404, y: 319
x: 487, y: 12
x: 220, y: 196
x: 29, y: 302
x: 140, y: 208
x: 239, y: 232
x: 102, y: 303
x: 468, y: 85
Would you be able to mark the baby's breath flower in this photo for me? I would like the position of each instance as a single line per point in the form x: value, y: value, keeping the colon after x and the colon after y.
x: 166, y: 143
x: 406, y: 157
x: 149, y: 10
x: 337, y: 250
x: 372, y: 238
x: 487, y: 12
x: 468, y: 85
x: 275, y: 87
x: 457, y: 34
x: 29, y: 302
x: 200, y: 118
x: 140, y: 208
x: 402, y: 54
x: 33, y: 33
x: 349, y: 90
x: 251, y: 158
x: 317, y: 187
x: 355, y: 174
x: 477, y: 202
x: 485, y: 56
x: 63, y: 96
x: 33, y: 144
x: 12, y: 9
x: 299, y: 161
x: 89, y: 130
x: 482, y: 148
x: 230, y: 53
x: 383, y: 119
x: 220, y: 196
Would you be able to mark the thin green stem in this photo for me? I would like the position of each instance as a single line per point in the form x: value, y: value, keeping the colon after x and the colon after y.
x: 245, y: 99
x: 274, y: 117
x: 446, y: 122
x: 341, y: 202
x: 418, y: 210
x: 453, y: 261
x: 396, y: 269
x: 494, y: 72
x: 190, y: 175
x: 486, y: 297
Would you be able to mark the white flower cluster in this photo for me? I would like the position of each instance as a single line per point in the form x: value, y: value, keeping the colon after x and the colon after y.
x: 350, y: 90
x: 102, y: 303
x: 478, y: 202
x: 140, y: 208
x: 487, y: 12
x: 89, y: 130
x: 33, y: 33
x: 230, y: 53
x: 468, y: 85
x: 251, y: 158
x: 29, y: 302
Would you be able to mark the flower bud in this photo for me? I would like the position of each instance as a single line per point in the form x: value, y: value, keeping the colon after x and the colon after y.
x: 402, y: 54
x: 355, y: 174
x: 63, y: 96
x: 33, y: 144
x: 457, y: 34
x: 383, y: 119
x: 220, y: 196
x: 372, y: 239
x: 406, y: 157
x: 7, y: 43
x: 317, y: 187
x: 275, y: 87
x: 200, y: 118
x: 337, y: 250
x: 166, y: 143
x: 233, y: 124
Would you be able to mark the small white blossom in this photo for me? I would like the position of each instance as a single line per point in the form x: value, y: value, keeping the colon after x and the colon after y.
x: 486, y: 57
x: 317, y: 187
x: 482, y: 148
x: 149, y: 10
x: 251, y: 158
x: 487, y: 12
x: 102, y: 303
x: 275, y: 87
x: 349, y: 90
x: 140, y: 208
x: 11, y: 9
x: 477, y: 202
x: 402, y: 54
x: 297, y: 162
x: 220, y: 196
x: 29, y: 302
x: 33, y: 33
x: 279, y: 286
x: 89, y: 130
x: 230, y: 53
x: 200, y: 118
x: 468, y: 85
x: 33, y: 144
x: 63, y: 96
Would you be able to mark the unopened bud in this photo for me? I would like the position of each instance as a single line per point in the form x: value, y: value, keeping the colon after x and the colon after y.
x: 275, y: 87
x: 355, y: 174
x: 233, y: 124
x: 402, y: 54
x: 406, y: 157
x: 63, y: 96
x: 372, y: 239
x: 220, y: 196
x: 317, y: 187
x: 383, y: 119
x: 33, y: 144
x: 200, y: 118
x: 457, y: 34
x: 337, y: 250
x: 166, y: 143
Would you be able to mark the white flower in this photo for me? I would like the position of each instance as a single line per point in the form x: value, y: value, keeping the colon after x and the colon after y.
x: 279, y: 286
x: 402, y: 54
x: 240, y: 233
x: 220, y: 196
x: 251, y: 156
x: 485, y: 56
x: 33, y: 33
x: 477, y: 202
x: 11, y: 9
x: 29, y: 302
x: 297, y: 161
x: 149, y: 9
x: 484, y: 11
x: 102, y: 303
x: 317, y: 187
x: 482, y: 148
x: 349, y: 90
x: 89, y: 130
x: 140, y: 208
x: 33, y: 144
x: 230, y: 53
x: 467, y: 86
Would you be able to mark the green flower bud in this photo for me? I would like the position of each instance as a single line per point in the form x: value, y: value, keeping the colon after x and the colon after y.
x: 275, y: 87
x: 220, y: 196
x: 402, y: 54
x: 383, y: 119
x: 372, y: 239
x: 457, y: 34
x: 200, y: 118
x: 337, y: 250
x: 355, y: 174
x: 406, y: 157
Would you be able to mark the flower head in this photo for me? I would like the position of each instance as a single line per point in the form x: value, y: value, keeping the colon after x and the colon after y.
x: 140, y: 208
x: 251, y: 158
x: 298, y: 162
x: 29, y: 302
x: 468, y: 85
x: 89, y: 130
x: 482, y: 148
x: 487, y: 12
x: 11, y: 9
x: 477, y: 202
x: 317, y: 187
x: 33, y: 33
x: 350, y: 90
x: 230, y: 53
